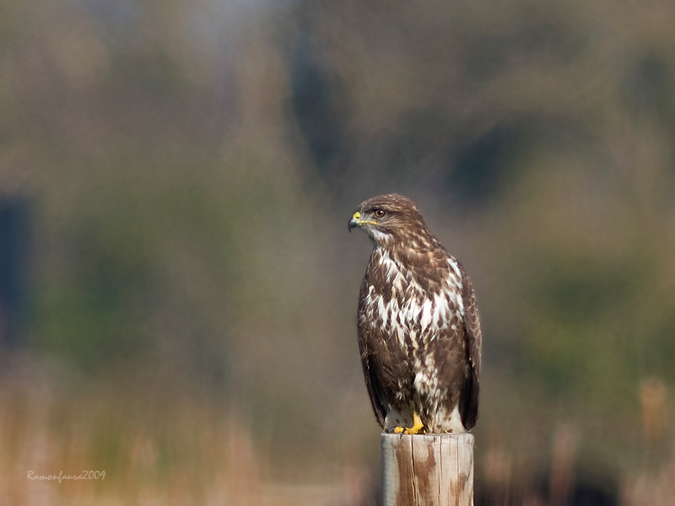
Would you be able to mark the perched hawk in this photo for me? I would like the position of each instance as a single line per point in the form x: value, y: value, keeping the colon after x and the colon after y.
x: 419, y: 333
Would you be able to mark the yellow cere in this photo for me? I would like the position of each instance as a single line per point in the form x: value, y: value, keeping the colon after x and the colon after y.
x: 359, y: 221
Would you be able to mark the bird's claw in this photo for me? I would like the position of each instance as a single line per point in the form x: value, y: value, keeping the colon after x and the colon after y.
x: 417, y: 427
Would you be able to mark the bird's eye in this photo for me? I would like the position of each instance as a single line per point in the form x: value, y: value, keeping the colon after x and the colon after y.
x: 379, y: 213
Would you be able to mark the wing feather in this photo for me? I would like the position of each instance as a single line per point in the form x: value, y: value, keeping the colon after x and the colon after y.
x: 473, y: 344
x: 375, y: 390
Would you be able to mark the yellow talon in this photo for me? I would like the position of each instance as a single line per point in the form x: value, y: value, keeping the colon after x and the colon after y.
x: 418, y: 426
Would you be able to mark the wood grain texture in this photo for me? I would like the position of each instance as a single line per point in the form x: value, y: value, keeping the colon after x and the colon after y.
x: 427, y: 470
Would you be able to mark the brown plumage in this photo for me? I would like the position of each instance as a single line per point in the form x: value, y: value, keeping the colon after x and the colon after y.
x: 418, y: 326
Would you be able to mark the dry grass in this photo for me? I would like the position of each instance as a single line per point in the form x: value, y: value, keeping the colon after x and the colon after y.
x: 181, y: 448
x: 154, y: 448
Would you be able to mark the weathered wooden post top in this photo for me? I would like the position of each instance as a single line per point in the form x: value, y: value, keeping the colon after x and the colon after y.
x: 427, y: 469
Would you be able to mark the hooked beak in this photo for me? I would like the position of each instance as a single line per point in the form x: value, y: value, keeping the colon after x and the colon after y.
x: 355, y: 221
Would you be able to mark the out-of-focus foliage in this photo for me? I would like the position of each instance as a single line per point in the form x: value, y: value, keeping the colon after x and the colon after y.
x: 189, y: 169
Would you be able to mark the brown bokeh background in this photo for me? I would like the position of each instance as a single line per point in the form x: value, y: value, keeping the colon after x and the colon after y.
x: 178, y: 287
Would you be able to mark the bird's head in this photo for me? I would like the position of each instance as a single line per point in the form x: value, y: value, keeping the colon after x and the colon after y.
x: 390, y: 217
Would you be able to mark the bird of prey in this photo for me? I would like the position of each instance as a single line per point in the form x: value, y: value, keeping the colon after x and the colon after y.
x: 418, y: 326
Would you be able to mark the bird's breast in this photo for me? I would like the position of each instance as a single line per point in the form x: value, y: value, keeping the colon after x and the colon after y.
x: 409, y: 317
x: 412, y: 305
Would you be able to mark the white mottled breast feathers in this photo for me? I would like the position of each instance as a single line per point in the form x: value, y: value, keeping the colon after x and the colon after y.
x: 412, y: 314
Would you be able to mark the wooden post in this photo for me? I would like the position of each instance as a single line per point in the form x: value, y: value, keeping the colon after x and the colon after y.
x: 427, y: 470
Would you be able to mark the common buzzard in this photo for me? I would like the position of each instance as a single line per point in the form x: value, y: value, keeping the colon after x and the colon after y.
x: 418, y: 326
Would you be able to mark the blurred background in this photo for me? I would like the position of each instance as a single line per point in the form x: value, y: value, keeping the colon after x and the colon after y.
x: 178, y: 288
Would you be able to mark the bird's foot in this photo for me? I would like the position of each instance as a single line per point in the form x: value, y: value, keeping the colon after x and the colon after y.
x: 417, y: 427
